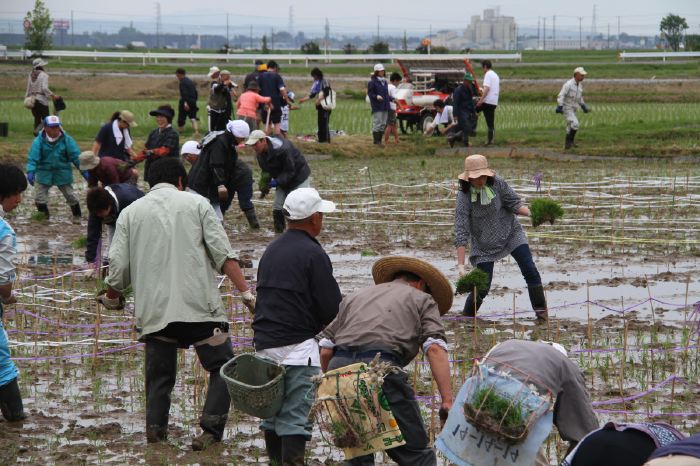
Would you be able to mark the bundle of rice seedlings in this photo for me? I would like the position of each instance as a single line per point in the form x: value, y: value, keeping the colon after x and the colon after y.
x: 497, y: 414
x: 476, y: 278
x: 264, y: 184
x: 545, y: 210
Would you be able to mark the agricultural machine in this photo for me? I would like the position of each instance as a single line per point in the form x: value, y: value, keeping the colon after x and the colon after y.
x: 425, y: 81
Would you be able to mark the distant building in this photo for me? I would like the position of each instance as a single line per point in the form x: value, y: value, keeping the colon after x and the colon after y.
x: 493, y: 31
x: 139, y: 44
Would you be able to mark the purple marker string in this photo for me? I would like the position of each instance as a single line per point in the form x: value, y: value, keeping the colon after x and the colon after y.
x: 79, y: 355
x: 638, y: 395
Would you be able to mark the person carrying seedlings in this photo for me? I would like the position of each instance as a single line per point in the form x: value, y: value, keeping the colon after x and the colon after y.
x: 248, y: 104
x: 378, y: 93
x: 623, y: 444
x: 569, y: 99
x: 297, y: 296
x: 486, y: 220
x: 549, y: 365
x: 285, y: 164
x: 218, y: 173
x: 187, y: 106
x: 395, y: 318
x: 464, y: 109
x: 12, y: 184
x: 38, y: 94
x: 106, y: 170
x: 105, y: 204
x: 169, y: 246
x: 49, y: 164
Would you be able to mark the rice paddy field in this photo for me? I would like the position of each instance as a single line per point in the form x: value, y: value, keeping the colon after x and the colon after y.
x: 620, y: 268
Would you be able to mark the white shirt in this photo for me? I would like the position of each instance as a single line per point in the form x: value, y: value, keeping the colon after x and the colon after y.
x: 443, y: 118
x: 493, y: 82
x: 284, y: 120
x: 305, y: 353
x: 392, y: 95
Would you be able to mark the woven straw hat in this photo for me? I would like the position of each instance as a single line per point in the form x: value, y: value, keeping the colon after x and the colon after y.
x: 475, y: 166
x: 386, y: 268
x: 88, y: 160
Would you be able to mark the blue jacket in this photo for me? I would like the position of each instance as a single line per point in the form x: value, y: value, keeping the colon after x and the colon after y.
x: 378, y: 87
x: 51, y: 161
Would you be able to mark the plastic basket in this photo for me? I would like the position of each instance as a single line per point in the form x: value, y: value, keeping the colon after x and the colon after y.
x: 256, y: 385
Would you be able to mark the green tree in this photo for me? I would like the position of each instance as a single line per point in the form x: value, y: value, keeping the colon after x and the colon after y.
x: 349, y: 48
x: 264, y: 45
x: 672, y: 28
x: 379, y: 47
x: 311, y: 48
x: 38, y: 34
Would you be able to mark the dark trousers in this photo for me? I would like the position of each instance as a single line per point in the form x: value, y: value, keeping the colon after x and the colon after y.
x: 40, y: 111
x: 183, y: 115
x: 523, y: 257
x: 404, y: 407
x: 324, y: 118
x: 490, y: 116
x: 217, y: 120
x: 465, y: 124
x: 161, y: 369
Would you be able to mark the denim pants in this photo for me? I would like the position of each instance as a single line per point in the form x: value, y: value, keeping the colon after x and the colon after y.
x: 523, y: 257
x: 293, y: 417
x: 404, y: 407
x: 8, y: 370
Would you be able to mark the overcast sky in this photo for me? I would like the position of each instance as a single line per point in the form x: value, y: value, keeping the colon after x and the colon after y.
x: 356, y: 16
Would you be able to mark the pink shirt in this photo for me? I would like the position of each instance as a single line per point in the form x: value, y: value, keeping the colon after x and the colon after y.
x: 248, y: 103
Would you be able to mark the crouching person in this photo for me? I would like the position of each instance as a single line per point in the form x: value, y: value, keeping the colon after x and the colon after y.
x: 169, y: 245
x: 12, y: 185
x: 395, y: 318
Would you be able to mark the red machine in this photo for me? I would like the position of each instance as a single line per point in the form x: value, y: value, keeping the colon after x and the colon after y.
x: 425, y: 81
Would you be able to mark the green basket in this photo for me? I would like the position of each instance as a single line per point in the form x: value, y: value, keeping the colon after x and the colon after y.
x: 256, y: 385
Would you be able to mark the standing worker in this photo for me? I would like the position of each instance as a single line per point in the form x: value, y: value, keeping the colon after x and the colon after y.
x: 12, y: 185
x: 285, y: 164
x: 187, y: 106
x: 297, y: 297
x: 163, y: 141
x: 272, y: 85
x: 320, y: 89
x: 378, y: 93
x: 394, y: 81
x: 569, y: 99
x: 489, y: 99
x: 38, y: 93
x: 216, y: 105
x: 169, y: 246
x: 486, y: 216
x: 49, y: 164
x: 396, y: 318
x: 464, y: 110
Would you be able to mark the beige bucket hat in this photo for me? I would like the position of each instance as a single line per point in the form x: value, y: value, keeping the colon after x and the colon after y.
x: 386, y: 268
x: 475, y: 166
x: 88, y: 160
x: 126, y: 115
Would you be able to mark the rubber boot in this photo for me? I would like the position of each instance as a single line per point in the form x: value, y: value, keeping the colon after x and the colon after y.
x: 11, y: 402
x: 538, y: 301
x: 573, y: 136
x: 156, y: 433
x: 469, y: 308
x: 490, y: 137
x: 568, y: 141
x: 44, y: 209
x: 273, y: 445
x: 278, y: 219
x: 213, y: 425
x: 378, y: 138
x: 77, y: 215
x: 252, y: 218
x: 293, y: 448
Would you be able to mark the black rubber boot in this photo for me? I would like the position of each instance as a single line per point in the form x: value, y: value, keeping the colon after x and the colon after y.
x: 273, y: 445
x: 161, y: 368
x: 75, y: 210
x: 469, y: 308
x: 378, y: 138
x: 293, y: 448
x: 278, y: 219
x: 568, y: 142
x: 43, y: 208
x: 156, y: 433
x: 491, y: 134
x: 538, y: 301
x: 573, y: 137
x: 11, y: 402
x: 252, y: 218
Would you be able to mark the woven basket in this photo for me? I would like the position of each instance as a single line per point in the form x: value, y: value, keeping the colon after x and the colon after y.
x: 256, y: 385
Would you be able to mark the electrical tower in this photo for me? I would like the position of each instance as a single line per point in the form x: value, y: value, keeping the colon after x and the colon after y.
x: 327, y: 37
x: 158, y: 25
x: 290, y: 26
x: 593, y: 27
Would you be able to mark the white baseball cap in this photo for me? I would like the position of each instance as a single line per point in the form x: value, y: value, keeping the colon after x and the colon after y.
x: 238, y: 128
x: 304, y: 202
x: 580, y: 70
x: 191, y: 147
x: 255, y: 136
x: 378, y: 67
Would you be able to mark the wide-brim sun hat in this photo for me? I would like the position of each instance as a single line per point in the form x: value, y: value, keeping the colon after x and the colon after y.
x: 580, y: 70
x: 164, y: 110
x: 212, y: 71
x: 475, y: 166
x: 39, y: 62
x: 386, y: 268
x: 88, y: 160
x: 127, y: 116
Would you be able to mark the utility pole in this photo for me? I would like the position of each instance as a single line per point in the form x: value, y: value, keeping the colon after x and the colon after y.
x: 377, y: 28
x: 327, y: 37
x: 608, y: 36
x: 291, y: 20
x: 430, y: 38
x: 618, y: 33
x: 72, y: 29
x: 405, y: 41
x: 538, y: 33
x: 544, y: 33
x: 251, y: 37
x: 157, y: 25
x: 554, y: 32
x: 227, y: 36
x: 272, y: 39
x: 580, y: 33
x: 593, y: 28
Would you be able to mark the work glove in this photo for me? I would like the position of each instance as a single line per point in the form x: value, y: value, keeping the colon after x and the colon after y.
x: 113, y: 304
x: 272, y: 183
x: 460, y: 270
x: 86, y: 175
x: 248, y: 300
x: 585, y: 108
x: 559, y: 109
x: 222, y: 193
x: 90, y: 272
x: 30, y: 178
x: 380, y: 98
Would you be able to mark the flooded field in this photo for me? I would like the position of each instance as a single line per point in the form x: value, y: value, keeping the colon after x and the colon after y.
x: 620, y: 271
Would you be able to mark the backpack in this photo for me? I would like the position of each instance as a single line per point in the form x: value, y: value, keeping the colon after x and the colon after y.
x: 327, y: 101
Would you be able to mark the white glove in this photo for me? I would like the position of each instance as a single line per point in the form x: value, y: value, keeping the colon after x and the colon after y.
x: 113, y: 304
x: 89, y: 274
x: 249, y: 300
x: 460, y: 270
x: 380, y: 98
